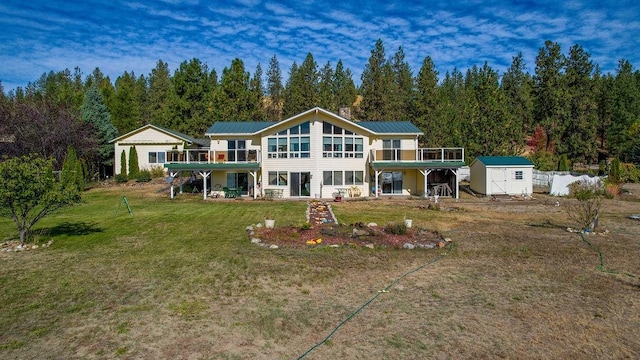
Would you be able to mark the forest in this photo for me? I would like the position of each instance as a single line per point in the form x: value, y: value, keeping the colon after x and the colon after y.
x: 567, y: 113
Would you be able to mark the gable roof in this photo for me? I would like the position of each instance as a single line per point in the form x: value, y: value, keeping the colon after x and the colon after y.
x: 254, y: 127
x: 504, y: 161
x: 179, y: 135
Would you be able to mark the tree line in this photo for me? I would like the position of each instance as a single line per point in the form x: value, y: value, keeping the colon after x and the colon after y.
x: 567, y: 109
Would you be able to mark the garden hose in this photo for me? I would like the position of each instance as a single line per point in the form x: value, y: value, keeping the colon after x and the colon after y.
x: 602, y: 267
x: 449, y: 248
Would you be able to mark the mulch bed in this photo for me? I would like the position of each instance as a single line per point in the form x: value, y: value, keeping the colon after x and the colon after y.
x: 325, y: 231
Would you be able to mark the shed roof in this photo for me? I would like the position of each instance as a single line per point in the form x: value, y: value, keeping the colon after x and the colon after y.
x: 504, y: 161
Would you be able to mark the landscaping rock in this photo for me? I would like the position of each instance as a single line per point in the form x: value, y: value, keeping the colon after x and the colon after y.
x: 408, y: 246
x: 255, y: 241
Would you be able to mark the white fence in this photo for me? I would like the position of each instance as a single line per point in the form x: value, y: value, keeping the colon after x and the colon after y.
x: 543, y: 178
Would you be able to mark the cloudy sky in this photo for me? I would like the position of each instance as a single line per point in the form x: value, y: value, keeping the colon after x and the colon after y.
x: 39, y: 36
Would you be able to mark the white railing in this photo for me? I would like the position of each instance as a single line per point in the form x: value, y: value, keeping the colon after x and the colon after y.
x: 420, y: 154
x: 207, y: 156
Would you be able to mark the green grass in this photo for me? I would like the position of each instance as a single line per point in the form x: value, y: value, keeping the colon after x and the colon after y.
x: 179, y: 278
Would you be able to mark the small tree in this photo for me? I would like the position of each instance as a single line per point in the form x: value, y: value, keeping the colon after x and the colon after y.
x: 29, y: 191
x: 72, y: 172
x: 585, y: 211
x: 563, y: 164
x: 123, y: 163
x: 134, y: 168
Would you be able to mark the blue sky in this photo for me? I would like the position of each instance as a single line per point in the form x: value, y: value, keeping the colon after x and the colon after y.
x: 39, y: 36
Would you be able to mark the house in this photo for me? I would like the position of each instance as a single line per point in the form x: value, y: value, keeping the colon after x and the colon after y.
x: 314, y: 154
x: 156, y: 146
x: 501, y: 175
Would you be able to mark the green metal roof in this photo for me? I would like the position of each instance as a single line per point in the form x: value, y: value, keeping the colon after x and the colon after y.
x: 238, y: 127
x: 377, y: 165
x: 201, y: 142
x: 213, y: 166
x: 390, y: 127
x: 504, y: 161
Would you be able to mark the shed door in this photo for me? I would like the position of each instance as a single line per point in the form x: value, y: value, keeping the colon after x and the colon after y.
x: 498, y: 181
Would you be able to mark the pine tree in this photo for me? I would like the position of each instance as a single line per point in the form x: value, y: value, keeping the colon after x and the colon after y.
x: 550, y: 110
x: 343, y: 87
x: 401, y: 99
x: 162, y: 96
x: 377, y: 85
x: 517, y: 87
x: 125, y: 106
x: 580, y: 137
x: 274, y: 91
x: 325, y: 89
x: 256, y: 89
x: 192, y: 88
x: 625, y: 122
x: 301, y: 91
x: 233, y: 99
x: 427, y: 104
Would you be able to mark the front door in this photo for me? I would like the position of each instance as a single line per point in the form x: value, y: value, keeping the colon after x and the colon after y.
x: 235, y: 180
x: 300, y: 184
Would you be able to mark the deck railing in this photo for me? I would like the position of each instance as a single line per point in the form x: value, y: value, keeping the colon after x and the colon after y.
x: 420, y: 154
x: 207, y: 156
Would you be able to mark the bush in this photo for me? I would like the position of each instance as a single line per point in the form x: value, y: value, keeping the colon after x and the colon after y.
x: 585, y: 211
x: 156, y: 172
x: 143, y: 176
x: 395, y: 228
x: 122, y: 178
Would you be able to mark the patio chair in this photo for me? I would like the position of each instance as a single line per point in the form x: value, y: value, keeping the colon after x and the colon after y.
x: 227, y: 192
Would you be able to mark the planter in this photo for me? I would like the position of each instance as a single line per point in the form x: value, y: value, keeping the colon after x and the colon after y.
x: 408, y: 223
x: 338, y: 198
x: 269, y: 223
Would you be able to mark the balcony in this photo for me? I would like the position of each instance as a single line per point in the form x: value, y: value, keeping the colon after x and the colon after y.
x: 419, y: 155
x: 207, y: 156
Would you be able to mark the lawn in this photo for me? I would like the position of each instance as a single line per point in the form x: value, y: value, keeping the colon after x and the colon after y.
x: 180, y: 279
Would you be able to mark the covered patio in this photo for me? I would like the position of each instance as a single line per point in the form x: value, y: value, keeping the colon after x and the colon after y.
x: 206, y: 171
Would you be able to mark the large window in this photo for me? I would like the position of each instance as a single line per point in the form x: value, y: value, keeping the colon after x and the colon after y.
x: 157, y: 157
x: 290, y: 143
x: 278, y: 178
x: 342, y: 144
x: 332, y: 178
x: 391, y: 150
x: 354, y: 177
x: 237, y: 150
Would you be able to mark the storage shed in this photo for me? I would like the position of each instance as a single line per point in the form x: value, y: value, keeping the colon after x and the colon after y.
x: 502, y: 175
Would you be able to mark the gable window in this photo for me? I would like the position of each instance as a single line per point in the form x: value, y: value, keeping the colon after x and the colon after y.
x: 519, y: 175
x: 290, y: 143
x: 157, y: 157
x: 342, y: 144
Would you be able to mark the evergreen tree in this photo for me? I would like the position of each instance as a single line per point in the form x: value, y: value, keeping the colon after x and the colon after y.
x: 134, y: 168
x: 301, y: 91
x: 233, y: 99
x: 123, y: 163
x: 72, y: 174
x: 325, y: 89
x: 401, y: 98
x: 604, y: 100
x: 256, y: 88
x: 517, y: 87
x: 427, y: 105
x: 624, y: 132
x: 454, y: 109
x: 162, y: 96
x: 125, y: 106
x: 95, y: 112
x: 550, y: 110
x: 343, y: 87
x: 275, y: 91
x: 193, y: 89
x: 579, y: 139
x: 377, y: 84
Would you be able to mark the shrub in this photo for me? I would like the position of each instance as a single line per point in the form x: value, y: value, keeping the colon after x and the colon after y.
x: 122, y: 178
x: 143, y: 176
x: 156, y: 172
x: 585, y: 211
x: 395, y: 228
